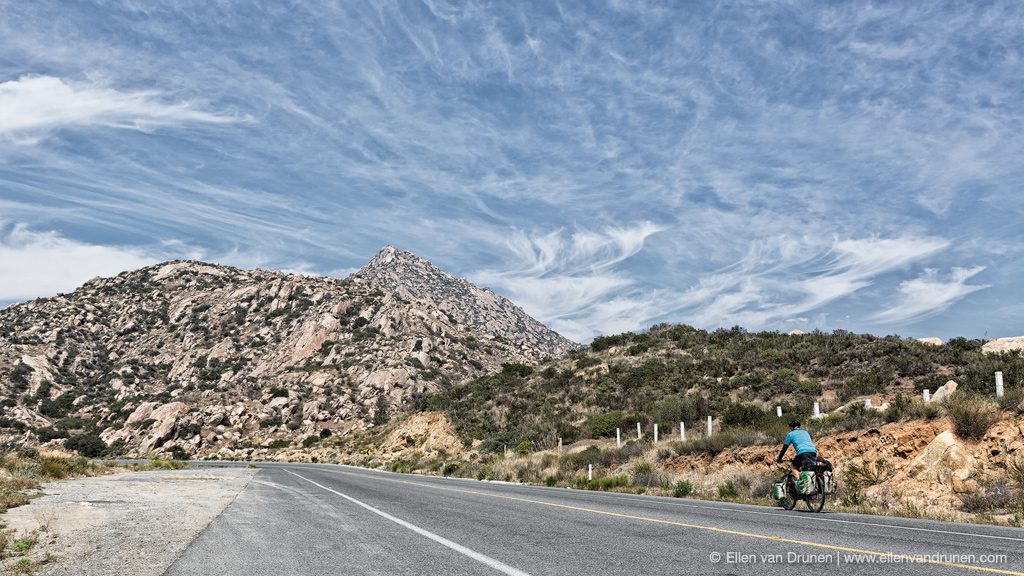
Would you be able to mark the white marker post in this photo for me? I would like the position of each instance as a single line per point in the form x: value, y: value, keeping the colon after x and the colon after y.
x: 999, y: 384
x: 590, y: 471
x: 867, y: 403
x: 817, y: 410
x: 709, y: 427
x: 778, y: 411
x: 639, y: 433
x: 655, y: 431
x: 559, y: 446
x: 618, y: 437
x: 682, y: 432
x: 926, y: 395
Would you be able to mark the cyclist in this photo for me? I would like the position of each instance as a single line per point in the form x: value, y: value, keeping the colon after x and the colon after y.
x: 801, y: 441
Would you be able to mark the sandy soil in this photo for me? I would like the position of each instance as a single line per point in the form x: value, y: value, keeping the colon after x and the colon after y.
x: 128, y: 523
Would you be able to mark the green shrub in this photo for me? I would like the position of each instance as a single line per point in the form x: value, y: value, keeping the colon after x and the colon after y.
x: 279, y: 443
x: 682, y: 489
x: 971, y: 415
x: 551, y: 480
x: 867, y: 474
x: 728, y: 490
x: 87, y: 444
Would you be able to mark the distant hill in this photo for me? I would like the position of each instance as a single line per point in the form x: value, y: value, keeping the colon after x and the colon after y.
x: 192, y: 358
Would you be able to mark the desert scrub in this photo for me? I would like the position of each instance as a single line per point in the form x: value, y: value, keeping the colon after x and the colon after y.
x: 867, y: 474
x: 682, y: 489
x: 728, y: 490
x: 645, y: 475
x: 972, y: 415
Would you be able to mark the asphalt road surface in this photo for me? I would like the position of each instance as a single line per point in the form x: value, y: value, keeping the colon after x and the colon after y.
x: 307, y: 519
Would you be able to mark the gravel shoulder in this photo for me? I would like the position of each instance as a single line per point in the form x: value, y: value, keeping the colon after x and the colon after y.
x: 126, y: 523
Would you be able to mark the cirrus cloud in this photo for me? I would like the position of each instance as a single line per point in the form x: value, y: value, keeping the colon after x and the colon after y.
x: 33, y: 106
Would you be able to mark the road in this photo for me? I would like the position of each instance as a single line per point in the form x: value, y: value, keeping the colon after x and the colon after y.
x: 313, y: 519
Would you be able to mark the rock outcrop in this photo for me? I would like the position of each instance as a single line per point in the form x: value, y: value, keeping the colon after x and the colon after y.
x: 1004, y: 345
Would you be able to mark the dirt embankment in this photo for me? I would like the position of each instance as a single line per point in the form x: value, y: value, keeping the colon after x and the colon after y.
x: 921, y: 464
x: 129, y: 523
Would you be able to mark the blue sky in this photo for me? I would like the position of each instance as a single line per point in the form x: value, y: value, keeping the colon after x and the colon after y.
x: 777, y: 165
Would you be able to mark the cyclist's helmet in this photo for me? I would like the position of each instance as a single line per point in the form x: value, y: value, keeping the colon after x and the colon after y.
x: 794, y: 424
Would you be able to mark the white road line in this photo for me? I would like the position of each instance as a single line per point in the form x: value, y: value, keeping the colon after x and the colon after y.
x: 657, y: 500
x: 482, y: 558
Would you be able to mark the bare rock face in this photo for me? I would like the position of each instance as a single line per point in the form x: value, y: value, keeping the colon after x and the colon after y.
x: 418, y: 280
x: 931, y: 340
x: 212, y: 360
x: 1003, y: 345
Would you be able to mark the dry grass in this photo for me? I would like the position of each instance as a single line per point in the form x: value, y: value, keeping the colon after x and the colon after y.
x: 972, y: 416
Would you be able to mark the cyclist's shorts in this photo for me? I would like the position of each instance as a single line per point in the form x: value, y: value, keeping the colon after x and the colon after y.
x: 798, y: 462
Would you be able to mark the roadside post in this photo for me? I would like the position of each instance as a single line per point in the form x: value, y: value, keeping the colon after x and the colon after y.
x: 682, y: 432
x: 618, y: 437
x: 559, y: 446
x: 590, y: 472
x: 926, y: 395
x: 867, y: 403
x: 999, y: 384
x: 817, y: 410
x: 778, y: 411
x: 639, y: 433
x: 655, y: 432
x: 709, y: 427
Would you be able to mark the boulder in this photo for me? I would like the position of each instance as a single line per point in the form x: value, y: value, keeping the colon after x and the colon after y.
x: 166, y: 418
x: 141, y: 413
x: 1003, y: 345
x: 944, y: 459
x: 931, y: 340
x: 945, y: 391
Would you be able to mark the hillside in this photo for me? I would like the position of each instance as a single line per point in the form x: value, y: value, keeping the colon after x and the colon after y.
x: 675, y: 373
x: 197, y: 359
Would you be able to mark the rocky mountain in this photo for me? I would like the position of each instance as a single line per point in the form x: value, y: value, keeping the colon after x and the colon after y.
x: 416, y: 279
x: 193, y: 358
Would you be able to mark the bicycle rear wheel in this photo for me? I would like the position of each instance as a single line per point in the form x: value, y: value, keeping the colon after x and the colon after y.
x: 817, y: 501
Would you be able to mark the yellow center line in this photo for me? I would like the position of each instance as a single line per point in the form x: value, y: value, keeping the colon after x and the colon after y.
x: 900, y: 557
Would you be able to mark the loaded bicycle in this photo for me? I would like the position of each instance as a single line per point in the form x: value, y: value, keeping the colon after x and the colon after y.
x: 813, y: 486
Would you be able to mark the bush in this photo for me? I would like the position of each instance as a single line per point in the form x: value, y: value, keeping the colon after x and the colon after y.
x: 867, y: 474
x: 682, y: 489
x: 971, y: 415
x: 279, y: 443
x: 1013, y: 400
x: 88, y: 444
x: 602, y: 425
x: 728, y: 490
x: 989, y: 498
x: 551, y: 480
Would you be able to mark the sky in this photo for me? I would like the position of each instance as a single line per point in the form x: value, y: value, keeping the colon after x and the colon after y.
x: 606, y: 165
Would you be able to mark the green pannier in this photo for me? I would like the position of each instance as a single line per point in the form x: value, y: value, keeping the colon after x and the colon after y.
x: 805, y: 485
x: 779, y: 490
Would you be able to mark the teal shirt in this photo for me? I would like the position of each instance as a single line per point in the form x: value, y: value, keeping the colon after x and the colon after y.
x: 800, y: 440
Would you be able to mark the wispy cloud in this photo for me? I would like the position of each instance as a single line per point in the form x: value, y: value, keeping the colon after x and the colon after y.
x: 929, y: 294
x: 570, y: 280
x: 781, y: 280
x: 33, y: 106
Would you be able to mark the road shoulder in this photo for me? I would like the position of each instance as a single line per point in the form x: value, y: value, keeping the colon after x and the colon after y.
x: 127, y: 523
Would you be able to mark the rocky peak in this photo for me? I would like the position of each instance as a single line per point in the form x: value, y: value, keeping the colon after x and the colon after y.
x: 413, y: 278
